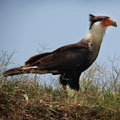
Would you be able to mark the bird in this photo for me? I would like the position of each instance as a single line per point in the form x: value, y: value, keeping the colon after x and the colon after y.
x: 69, y: 61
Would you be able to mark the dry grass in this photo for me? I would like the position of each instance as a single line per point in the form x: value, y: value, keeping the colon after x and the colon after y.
x: 24, y: 98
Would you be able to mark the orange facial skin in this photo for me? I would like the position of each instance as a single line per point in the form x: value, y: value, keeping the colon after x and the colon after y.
x: 107, y: 22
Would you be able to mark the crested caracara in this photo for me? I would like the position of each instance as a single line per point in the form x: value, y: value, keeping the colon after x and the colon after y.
x: 71, y: 60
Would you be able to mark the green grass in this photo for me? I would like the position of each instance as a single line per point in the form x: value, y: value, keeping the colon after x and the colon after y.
x: 25, y: 98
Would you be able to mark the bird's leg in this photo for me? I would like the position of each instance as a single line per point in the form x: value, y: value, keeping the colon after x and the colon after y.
x: 76, y: 92
x: 64, y: 88
x: 76, y: 96
x: 63, y: 81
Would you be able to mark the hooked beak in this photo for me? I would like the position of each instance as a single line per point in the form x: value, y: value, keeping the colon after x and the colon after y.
x: 114, y: 24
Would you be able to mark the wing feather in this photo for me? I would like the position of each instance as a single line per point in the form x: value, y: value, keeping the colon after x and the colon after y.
x: 65, y: 58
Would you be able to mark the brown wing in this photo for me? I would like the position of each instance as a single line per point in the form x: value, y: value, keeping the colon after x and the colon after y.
x: 65, y: 58
x: 32, y: 60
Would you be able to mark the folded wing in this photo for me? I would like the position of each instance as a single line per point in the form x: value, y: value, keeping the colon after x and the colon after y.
x: 63, y: 59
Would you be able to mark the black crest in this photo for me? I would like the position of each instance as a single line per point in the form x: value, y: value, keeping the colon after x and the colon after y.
x: 93, y: 19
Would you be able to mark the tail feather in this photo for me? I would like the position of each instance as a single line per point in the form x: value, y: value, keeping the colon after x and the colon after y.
x: 25, y: 70
x: 14, y: 71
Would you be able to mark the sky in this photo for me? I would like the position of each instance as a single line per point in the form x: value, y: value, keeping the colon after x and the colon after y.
x: 27, y: 26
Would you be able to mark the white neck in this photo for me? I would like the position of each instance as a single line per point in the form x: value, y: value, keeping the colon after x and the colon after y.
x: 96, y: 33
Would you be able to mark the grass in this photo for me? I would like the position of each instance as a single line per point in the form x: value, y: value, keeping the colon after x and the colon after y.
x: 25, y: 98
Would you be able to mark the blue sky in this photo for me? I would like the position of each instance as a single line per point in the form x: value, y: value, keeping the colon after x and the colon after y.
x: 27, y: 24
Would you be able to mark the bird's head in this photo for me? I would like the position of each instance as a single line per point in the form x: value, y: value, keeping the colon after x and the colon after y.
x: 104, y: 20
